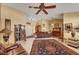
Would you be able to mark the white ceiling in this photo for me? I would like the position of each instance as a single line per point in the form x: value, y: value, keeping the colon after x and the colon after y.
x: 52, y: 13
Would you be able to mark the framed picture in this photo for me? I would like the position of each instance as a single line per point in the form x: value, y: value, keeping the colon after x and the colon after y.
x: 68, y: 26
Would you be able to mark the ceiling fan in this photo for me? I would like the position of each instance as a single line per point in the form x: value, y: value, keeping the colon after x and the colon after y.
x: 43, y: 8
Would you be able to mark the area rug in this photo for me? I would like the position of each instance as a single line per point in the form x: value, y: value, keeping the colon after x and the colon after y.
x: 47, y: 47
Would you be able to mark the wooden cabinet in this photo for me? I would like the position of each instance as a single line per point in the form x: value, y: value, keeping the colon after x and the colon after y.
x: 43, y: 34
x: 56, y: 32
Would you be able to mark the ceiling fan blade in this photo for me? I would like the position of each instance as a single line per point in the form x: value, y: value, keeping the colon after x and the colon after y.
x: 33, y: 7
x: 48, y: 7
x: 45, y: 11
x: 38, y: 11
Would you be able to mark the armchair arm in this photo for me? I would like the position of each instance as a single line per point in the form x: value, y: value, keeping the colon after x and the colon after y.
x: 12, y: 47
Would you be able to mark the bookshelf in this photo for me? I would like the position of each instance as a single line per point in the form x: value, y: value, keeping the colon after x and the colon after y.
x: 19, y: 32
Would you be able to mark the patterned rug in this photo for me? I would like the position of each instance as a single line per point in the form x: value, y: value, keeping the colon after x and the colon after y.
x: 47, y: 47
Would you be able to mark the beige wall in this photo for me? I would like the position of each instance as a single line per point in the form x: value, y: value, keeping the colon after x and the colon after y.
x: 0, y: 15
x: 55, y: 21
x: 43, y: 22
x: 48, y: 23
x: 71, y: 18
x: 16, y: 17
x: 0, y: 18
x: 0, y: 12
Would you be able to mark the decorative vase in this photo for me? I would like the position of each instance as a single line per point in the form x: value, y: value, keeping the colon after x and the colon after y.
x: 5, y: 37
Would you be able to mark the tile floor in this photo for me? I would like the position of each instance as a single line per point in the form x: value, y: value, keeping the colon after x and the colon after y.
x: 28, y: 44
